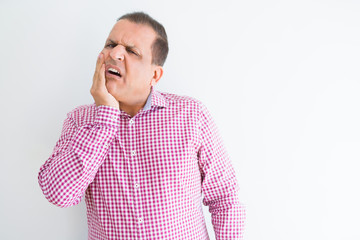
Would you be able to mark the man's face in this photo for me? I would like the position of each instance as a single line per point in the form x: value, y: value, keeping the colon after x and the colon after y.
x: 128, y: 50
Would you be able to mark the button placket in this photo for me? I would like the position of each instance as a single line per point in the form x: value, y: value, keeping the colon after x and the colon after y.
x: 133, y: 157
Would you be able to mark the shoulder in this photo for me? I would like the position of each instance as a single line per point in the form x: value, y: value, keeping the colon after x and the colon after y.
x: 175, y: 100
x: 190, y: 108
x: 83, y: 114
x: 186, y: 102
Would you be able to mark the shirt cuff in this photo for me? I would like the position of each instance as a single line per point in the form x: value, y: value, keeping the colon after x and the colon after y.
x: 107, y: 115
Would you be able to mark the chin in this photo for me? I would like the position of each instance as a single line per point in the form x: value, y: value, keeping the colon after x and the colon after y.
x: 116, y: 93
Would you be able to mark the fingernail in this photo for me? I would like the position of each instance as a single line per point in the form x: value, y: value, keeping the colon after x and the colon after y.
x: 99, y: 55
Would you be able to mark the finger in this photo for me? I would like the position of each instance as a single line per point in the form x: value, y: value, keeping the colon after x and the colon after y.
x: 99, y: 77
x: 99, y: 63
x: 101, y: 74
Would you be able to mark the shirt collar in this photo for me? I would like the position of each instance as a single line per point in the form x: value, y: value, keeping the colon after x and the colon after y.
x: 155, y: 99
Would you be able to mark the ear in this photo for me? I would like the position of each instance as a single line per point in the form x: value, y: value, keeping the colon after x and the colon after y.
x: 158, y: 72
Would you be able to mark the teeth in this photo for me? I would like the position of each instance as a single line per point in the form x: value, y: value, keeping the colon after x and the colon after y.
x: 113, y: 70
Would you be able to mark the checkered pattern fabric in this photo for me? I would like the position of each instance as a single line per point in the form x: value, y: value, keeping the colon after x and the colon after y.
x: 143, y: 176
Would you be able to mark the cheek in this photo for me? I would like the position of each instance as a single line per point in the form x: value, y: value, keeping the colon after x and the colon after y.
x: 106, y: 53
x: 145, y: 70
x: 136, y: 69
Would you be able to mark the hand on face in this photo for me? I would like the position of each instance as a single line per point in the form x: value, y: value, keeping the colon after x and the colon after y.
x: 98, y: 89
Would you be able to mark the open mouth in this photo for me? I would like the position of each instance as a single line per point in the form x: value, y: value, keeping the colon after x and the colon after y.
x: 114, y: 72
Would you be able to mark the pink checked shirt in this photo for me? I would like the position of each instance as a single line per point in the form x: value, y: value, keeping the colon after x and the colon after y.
x: 143, y: 177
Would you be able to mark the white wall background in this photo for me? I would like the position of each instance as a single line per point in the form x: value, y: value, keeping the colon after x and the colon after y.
x: 281, y: 79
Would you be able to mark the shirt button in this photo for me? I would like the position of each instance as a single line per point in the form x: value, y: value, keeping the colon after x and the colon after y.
x: 114, y: 117
x: 133, y: 153
x: 140, y: 220
x: 131, y: 122
x: 137, y: 186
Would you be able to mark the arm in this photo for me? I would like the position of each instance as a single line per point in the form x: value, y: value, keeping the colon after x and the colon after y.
x: 81, y: 150
x: 219, y: 183
x: 77, y: 157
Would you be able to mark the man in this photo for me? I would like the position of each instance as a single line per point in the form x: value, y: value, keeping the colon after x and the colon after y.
x: 141, y: 157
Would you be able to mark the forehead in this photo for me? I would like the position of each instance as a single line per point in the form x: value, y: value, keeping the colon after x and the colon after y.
x: 132, y: 34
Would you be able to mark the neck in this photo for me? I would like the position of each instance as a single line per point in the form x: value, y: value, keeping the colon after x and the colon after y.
x: 133, y: 108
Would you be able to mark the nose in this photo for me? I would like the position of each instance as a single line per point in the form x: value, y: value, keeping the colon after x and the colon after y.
x: 117, y: 53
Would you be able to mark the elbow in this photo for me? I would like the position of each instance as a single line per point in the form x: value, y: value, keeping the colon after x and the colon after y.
x: 225, y: 204
x: 58, y: 196
x: 63, y: 202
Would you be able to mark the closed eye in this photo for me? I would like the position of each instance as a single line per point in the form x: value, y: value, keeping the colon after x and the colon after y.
x: 131, y: 51
x: 111, y: 45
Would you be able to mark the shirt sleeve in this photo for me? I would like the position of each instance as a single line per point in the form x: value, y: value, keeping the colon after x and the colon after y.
x: 219, y: 184
x: 77, y: 156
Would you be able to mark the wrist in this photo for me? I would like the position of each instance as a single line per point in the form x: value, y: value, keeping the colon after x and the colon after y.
x: 107, y: 115
x: 113, y: 105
